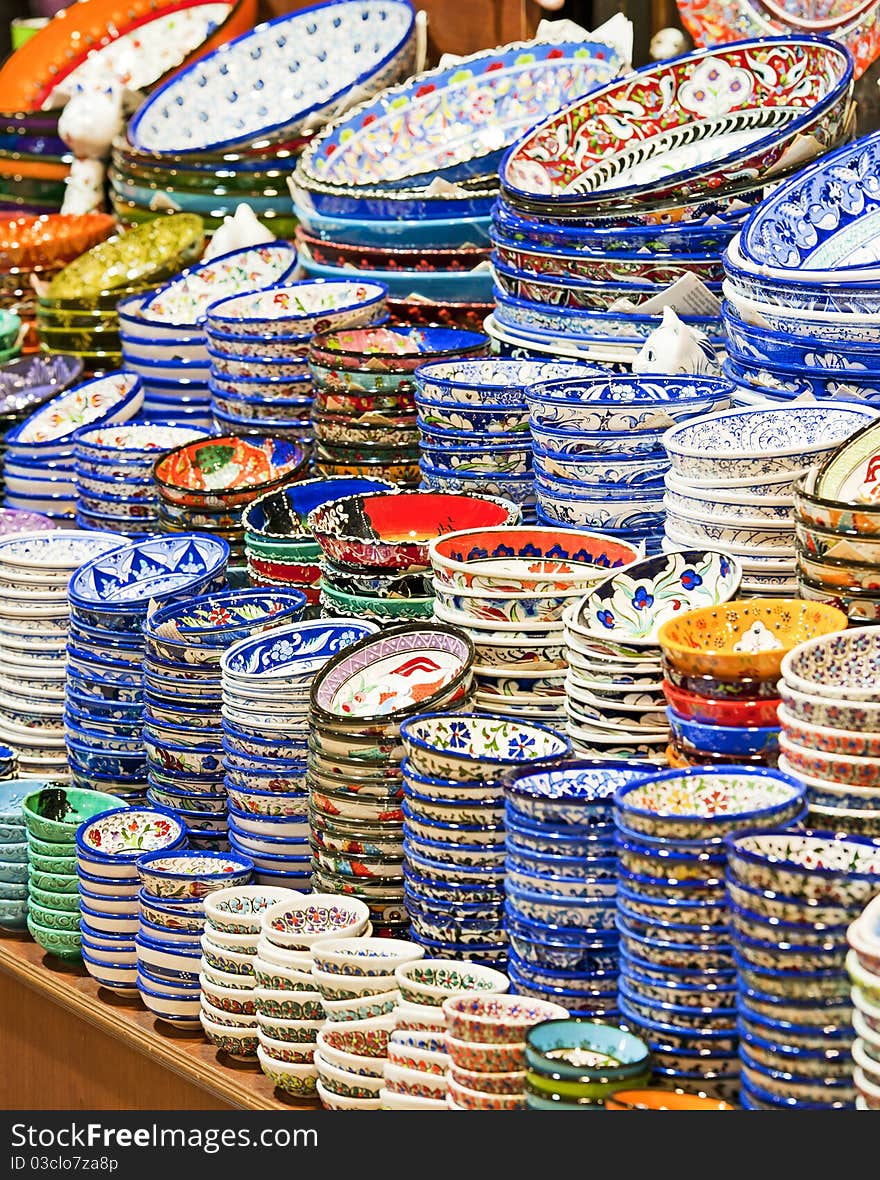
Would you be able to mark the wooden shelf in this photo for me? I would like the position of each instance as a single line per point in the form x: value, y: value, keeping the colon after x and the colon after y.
x: 122, y: 1046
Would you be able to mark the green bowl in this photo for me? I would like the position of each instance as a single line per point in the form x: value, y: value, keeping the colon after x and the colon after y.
x: 13, y: 915
x: 556, y: 1088
x: 536, y: 1102
x: 68, y: 902
x: 53, y: 882
x: 296, y: 551
x: 384, y: 608
x: 53, y: 919
x: 59, y: 865
x: 50, y: 847
x: 65, y: 944
x: 84, y: 804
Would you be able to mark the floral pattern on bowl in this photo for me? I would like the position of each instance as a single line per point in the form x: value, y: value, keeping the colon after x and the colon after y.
x: 117, y: 396
x: 843, y: 871
x: 128, y: 832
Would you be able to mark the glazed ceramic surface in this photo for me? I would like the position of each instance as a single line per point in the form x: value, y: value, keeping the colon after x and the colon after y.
x: 128, y: 833
x: 821, y: 867
x: 223, y: 100
x: 226, y: 465
x: 298, y: 649
x: 128, y: 578
x: 845, y: 667
x: 302, y: 308
x: 115, y: 397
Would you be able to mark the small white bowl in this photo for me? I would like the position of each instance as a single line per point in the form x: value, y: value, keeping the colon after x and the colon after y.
x: 238, y: 983
x: 419, y: 1016
x: 297, y: 1051
x: 471, y: 977
x: 231, y: 942
x: 344, y: 1077
x: 339, y: 1102
x: 350, y: 918
x: 240, y: 910
x: 293, y: 1077
x: 411, y: 1057
x: 362, y: 1007
x: 237, y: 1042
x: 177, y: 1011
x: 339, y: 987
x: 220, y: 952
x: 229, y: 1000
x: 268, y: 1023
x: 364, y: 956
x: 227, y: 1019
x: 354, y: 1063
x: 416, y: 1083
x: 389, y: 1100
x: 277, y: 978
x: 291, y: 960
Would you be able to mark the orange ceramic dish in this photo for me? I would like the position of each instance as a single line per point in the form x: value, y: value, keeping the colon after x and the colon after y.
x: 51, y: 240
x: 663, y: 1100
x: 745, y: 638
x: 29, y: 76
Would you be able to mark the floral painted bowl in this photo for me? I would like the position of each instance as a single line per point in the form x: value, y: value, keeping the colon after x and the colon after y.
x: 303, y: 309
x: 127, y: 833
x: 301, y: 923
x: 842, y: 667
x: 112, y: 398
x: 393, y: 531
x: 227, y: 471
x: 469, y: 746
x: 392, y: 674
x: 840, y: 870
x: 744, y: 638
x: 721, y: 711
x: 380, y: 351
x: 363, y: 957
x: 217, y: 621
x: 575, y: 793
x: 431, y: 981
x: 496, y: 1019
x: 192, y: 874
x: 282, y: 515
x: 240, y: 910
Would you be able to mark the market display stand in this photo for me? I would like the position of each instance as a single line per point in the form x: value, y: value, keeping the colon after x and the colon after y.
x: 69, y: 1044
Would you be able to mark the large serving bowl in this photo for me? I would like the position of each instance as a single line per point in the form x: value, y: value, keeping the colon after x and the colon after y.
x: 393, y: 531
x: 746, y: 638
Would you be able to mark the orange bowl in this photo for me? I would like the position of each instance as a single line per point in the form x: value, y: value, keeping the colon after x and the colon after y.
x: 50, y: 240
x: 663, y: 1100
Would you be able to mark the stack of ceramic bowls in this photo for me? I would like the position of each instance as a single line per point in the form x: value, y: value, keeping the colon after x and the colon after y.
x: 279, y: 548
x: 110, y: 598
x: 265, y: 700
x: 290, y: 929
x: 454, y: 825
x: 230, y: 969
x: 678, y: 975
x: 795, y: 1007
x: 35, y: 247
x: 78, y: 312
x: 576, y: 1064
x: 258, y: 346
x: 346, y: 969
x: 357, y: 704
x: 836, y: 523
x: 34, y: 618
x: 375, y: 548
x: 802, y: 287
x: 587, y: 424
x: 589, y: 236
x: 113, y: 467
x: 364, y: 412
x: 206, y: 484
x: 176, y: 314
x: 614, y: 698
x: 170, y: 945
x: 830, y: 722
x: 34, y: 161
x: 506, y: 588
x: 475, y: 404
x: 15, y: 876
x: 362, y: 204
x: 732, y: 654
x: 731, y: 480
x: 108, y: 845
x: 52, y: 813
x: 182, y: 700
x: 38, y: 461
x: 487, y: 1035
x: 561, y: 884
x: 863, y: 965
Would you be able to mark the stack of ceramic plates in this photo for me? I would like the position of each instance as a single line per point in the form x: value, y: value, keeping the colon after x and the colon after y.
x: 678, y: 980
x: 562, y: 864
x: 52, y: 813
x: 170, y: 947
x: 163, y: 333
x: 38, y: 461
x: 258, y: 347
x: 182, y: 699
x: 107, y: 847
x: 465, y: 407
x: 508, y: 588
x: 114, y: 474
x: 364, y: 413
x: 731, y: 480
x: 26, y: 384
x: 78, y: 313
x: 803, y: 287
x: 16, y: 876
x: 587, y: 425
x: 194, y: 145
x: 205, y: 485
x: 830, y: 722
x: 615, y: 700
x: 795, y: 1007
x: 110, y: 597
x: 33, y: 248
x: 836, y: 527
x: 732, y: 654
x: 280, y: 549
x: 265, y: 687
x: 453, y: 829
x: 34, y: 617
x: 367, y: 208
x: 358, y: 702
x: 590, y: 236
x: 863, y: 965
x: 375, y: 548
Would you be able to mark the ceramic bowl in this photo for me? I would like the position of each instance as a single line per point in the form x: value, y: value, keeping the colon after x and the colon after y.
x: 803, y: 866
x: 495, y: 1019
x: 302, y: 923
x: 363, y: 957
x: 468, y: 746
x: 54, y: 812
x: 487, y: 1057
x: 835, y: 666
x: 747, y: 638
x: 579, y: 793
x: 430, y: 981
x: 192, y: 874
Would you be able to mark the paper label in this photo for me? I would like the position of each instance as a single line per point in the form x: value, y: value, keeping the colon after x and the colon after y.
x: 688, y: 295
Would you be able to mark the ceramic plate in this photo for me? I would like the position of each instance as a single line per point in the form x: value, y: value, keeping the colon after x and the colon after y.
x: 274, y: 78
x: 456, y: 121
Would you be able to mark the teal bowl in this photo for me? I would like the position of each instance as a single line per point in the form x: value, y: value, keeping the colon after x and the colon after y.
x: 13, y: 792
x: 47, y: 816
x: 67, y: 902
x: 358, y: 605
x: 52, y: 919
x: 64, y: 944
x: 13, y: 872
x: 12, y: 831
x: 13, y: 915
x: 15, y: 853
x: 536, y: 1102
x: 51, y: 847
x: 13, y: 890
x: 582, y: 1053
